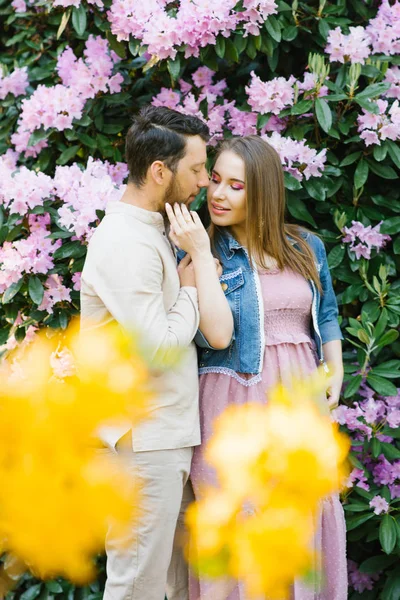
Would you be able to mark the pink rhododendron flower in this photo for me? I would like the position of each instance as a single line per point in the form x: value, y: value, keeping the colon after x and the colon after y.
x: 15, y: 83
x: 363, y: 239
x: 353, y: 47
x: 379, y: 504
x: 297, y: 158
x: 270, y: 96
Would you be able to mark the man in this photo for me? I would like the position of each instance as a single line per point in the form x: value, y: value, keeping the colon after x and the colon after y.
x: 130, y: 276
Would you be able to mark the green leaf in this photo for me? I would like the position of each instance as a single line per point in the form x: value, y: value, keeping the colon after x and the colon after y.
x: 54, y: 587
x: 374, y: 564
x: 298, y: 210
x: 350, y: 159
x: 12, y: 291
x: 316, y: 188
x: 231, y: 53
x: 38, y: 136
x: 388, y: 533
x: 390, y: 451
x: 374, y: 90
x: 291, y: 183
x: 371, y: 107
x: 361, y: 174
x: 134, y: 46
x: 118, y: 47
x: 353, y: 386
x: 174, y: 68
x: 67, y: 155
x: 391, y: 589
x: 390, y: 369
x: 324, y: 115
x: 353, y: 522
x: 32, y: 592
x: 273, y: 27
x: 36, y: 290
x: 381, y: 385
x: 290, y: 33
x: 262, y: 120
x: 382, y: 170
x: 375, y: 447
x: 87, y: 140
x: 220, y: 46
x: 394, y: 152
x: 390, y: 226
x: 302, y: 107
x: 79, y: 19
x: 70, y: 250
x: 380, y: 152
x: 388, y: 338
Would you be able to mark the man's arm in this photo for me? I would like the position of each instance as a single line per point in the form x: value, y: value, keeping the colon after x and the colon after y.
x: 129, y: 282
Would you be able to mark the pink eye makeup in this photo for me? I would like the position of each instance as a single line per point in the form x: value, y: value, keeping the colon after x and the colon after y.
x: 237, y: 186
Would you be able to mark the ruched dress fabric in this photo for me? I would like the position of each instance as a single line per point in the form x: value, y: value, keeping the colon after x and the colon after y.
x: 289, y: 352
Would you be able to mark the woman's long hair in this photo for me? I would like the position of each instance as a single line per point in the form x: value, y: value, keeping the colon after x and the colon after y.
x: 266, y: 230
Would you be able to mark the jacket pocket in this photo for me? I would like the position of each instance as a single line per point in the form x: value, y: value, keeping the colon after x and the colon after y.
x: 231, y: 281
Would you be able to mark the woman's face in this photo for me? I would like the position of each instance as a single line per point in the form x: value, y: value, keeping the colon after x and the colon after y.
x: 226, y: 194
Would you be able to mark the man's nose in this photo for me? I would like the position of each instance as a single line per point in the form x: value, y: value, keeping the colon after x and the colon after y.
x: 204, y: 180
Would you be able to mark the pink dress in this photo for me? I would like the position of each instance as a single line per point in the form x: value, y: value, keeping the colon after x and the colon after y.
x: 289, y: 351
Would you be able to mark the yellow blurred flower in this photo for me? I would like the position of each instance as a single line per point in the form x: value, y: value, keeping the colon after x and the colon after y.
x: 274, y: 464
x: 58, y: 490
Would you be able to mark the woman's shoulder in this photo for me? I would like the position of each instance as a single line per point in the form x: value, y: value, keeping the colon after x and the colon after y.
x: 313, y: 240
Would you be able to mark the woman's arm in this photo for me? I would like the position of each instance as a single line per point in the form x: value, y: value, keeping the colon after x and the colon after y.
x: 188, y: 233
x: 333, y: 356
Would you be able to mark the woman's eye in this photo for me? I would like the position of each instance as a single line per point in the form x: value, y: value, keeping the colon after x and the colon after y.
x: 237, y: 187
x: 214, y: 179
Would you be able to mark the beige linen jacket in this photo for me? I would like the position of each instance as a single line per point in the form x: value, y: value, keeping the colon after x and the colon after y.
x: 130, y: 276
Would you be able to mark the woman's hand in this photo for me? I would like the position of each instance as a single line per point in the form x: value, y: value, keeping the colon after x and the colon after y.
x: 187, y: 231
x: 333, y: 391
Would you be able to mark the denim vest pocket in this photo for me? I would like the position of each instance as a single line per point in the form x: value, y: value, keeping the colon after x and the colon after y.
x: 232, y: 281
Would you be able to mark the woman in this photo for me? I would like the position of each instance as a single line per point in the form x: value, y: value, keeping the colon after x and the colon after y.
x: 277, y: 282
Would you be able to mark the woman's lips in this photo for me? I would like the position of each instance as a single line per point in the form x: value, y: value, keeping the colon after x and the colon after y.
x: 217, y: 209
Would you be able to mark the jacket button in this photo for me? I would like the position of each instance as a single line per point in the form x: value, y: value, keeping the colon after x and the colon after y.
x: 202, y: 364
x: 224, y: 286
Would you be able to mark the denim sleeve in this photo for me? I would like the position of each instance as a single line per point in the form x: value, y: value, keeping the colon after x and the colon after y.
x: 328, y: 309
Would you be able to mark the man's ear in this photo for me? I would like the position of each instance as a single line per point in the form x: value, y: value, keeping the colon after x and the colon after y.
x: 159, y: 173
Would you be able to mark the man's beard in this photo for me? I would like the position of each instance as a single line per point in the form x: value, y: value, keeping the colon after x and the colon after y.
x: 174, y: 193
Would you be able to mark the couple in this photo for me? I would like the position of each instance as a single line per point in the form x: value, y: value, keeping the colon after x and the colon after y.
x: 270, y: 315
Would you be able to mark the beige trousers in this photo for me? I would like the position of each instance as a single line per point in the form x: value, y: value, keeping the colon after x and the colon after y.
x: 149, y: 563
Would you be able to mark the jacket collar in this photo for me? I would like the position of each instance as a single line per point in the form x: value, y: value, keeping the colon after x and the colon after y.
x: 228, y: 243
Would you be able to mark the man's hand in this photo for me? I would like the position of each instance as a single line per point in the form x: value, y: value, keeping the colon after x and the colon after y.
x: 187, y: 231
x: 186, y: 272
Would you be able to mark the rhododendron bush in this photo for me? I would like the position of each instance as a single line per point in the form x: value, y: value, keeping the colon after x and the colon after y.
x: 319, y: 80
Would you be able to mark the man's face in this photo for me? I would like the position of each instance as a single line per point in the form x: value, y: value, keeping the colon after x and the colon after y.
x: 191, y: 174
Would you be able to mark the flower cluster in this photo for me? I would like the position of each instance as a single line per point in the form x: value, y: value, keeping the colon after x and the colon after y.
x: 297, y: 158
x: 47, y: 447
x: 375, y: 128
x: 360, y: 581
x: 56, y: 107
x: 194, y: 23
x: 270, y: 96
x: 83, y: 193
x: 392, y: 76
x: 381, y: 36
x: 384, y: 29
x: 363, y: 239
x: 353, y: 47
x: 15, y: 83
x: 79, y: 194
x: 260, y: 454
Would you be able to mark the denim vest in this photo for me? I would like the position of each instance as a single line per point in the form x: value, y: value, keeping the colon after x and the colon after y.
x: 242, y: 289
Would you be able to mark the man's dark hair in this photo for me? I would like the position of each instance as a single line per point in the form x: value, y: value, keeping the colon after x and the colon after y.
x: 159, y: 133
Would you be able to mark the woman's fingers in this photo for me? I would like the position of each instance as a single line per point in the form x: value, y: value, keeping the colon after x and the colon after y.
x: 186, y: 214
x: 180, y: 217
x: 186, y: 260
x: 175, y: 227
